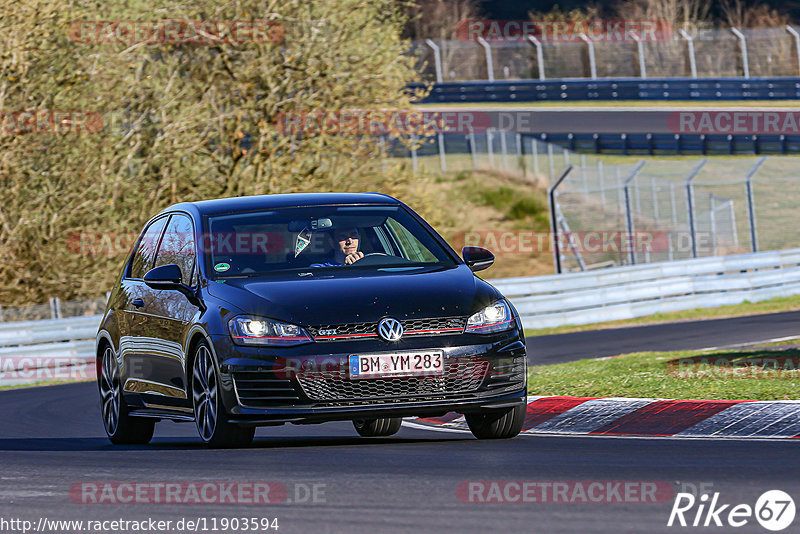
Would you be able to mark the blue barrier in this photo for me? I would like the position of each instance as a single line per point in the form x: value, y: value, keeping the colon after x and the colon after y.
x: 630, y: 144
x: 787, y: 88
x: 673, y: 144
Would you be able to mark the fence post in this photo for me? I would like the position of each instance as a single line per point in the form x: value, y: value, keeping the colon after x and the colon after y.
x: 521, y: 155
x: 583, y: 177
x: 796, y: 44
x: 690, y: 43
x: 751, y: 207
x: 442, y: 162
x: 552, y: 162
x: 592, y: 62
x: 655, y: 198
x: 473, y: 149
x: 628, y: 214
x: 690, y: 204
x: 504, y: 150
x: 414, y: 163
x: 743, y: 46
x: 55, y: 308
x: 535, y: 150
x: 489, y: 148
x: 602, y: 183
x: 488, y: 50
x: 382, y: 143
x: 674, y: 206
x: 713, y: 221
x: 734, y: 231
x: 437, y: 59
x: 640, y: 50
x: 551, y: 195
x: 539, y: 55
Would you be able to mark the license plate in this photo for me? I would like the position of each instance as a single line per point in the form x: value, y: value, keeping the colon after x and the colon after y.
x: 425, y: 363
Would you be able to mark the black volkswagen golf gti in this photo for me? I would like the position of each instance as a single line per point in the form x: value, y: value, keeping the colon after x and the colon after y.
x: 305, y: 308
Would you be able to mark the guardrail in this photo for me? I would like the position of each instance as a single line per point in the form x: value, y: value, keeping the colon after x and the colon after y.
x: 639, y: 290
x: 783, y: 88
x: 48, y: 350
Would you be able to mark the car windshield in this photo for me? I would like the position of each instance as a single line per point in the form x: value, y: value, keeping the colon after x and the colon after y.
x: 316, y: 238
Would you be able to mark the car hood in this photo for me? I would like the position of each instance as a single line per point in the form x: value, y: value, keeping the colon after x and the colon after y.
x: 355, y: 297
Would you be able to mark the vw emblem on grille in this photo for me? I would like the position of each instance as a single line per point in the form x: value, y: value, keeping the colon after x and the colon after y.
x: 390, y: 329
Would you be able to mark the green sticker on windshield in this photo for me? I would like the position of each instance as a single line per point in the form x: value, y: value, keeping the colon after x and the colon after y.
x: 222, y: 267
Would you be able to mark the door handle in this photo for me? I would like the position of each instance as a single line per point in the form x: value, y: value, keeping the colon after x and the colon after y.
x: 139, y: 303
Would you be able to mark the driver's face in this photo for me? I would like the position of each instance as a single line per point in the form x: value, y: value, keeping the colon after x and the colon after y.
x: 346, y: 240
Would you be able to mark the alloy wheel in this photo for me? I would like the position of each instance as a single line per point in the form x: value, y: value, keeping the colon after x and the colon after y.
x: 204, y: 393
x: 110, y: 393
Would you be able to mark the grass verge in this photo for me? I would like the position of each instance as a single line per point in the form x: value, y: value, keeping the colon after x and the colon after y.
x: 778, y: 304
x: 753, y: 374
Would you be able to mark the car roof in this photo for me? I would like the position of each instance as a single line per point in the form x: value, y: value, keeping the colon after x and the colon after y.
x: 285, y: 200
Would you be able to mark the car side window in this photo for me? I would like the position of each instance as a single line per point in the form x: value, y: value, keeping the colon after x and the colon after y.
x: 410, y: 246
x: 142, y: 259
x: 177, y: 246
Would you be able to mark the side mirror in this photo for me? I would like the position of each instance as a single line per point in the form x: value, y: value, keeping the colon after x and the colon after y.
x: 164, y: 277
x: 477, y: 258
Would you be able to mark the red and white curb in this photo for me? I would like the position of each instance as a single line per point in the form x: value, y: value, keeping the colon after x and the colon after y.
x: 647, y: 417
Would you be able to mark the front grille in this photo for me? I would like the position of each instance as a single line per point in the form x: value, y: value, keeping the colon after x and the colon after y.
x: 411, y: 327
x: 462, y: 375
x: 261, y: 389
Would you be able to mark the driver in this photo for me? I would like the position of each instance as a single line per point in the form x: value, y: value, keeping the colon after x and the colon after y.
x: 344, y: 242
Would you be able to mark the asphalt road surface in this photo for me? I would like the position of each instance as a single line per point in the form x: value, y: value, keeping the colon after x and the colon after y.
x: 52, y: 439
x: 688, y: 335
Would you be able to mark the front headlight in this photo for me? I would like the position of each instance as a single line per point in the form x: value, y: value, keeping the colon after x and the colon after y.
x: 246, y: 330
x: 494, y: 318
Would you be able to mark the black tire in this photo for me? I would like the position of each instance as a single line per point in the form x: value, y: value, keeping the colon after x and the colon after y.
x: 120, y: 427
x: 374, y: 428
x: 497, y: 424
x: 209, y: 413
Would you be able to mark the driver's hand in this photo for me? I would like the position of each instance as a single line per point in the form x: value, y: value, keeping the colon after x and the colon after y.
x: 352, y: 258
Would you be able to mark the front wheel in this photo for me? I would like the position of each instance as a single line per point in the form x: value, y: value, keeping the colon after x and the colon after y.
x: 497, y: 424
x: 209, y: 414
x: 121, y: 428
x: 373, y: 428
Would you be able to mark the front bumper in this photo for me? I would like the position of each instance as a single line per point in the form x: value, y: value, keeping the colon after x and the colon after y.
x: 259, y: 387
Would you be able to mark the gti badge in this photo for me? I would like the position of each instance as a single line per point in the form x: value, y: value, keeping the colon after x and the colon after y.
x: 390, y: 329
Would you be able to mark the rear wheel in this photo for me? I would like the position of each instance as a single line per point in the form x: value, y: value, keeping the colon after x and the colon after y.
x: 497, y: 424
x: 373, y: 428
x: 209, y: 414
x: 121, y: 428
